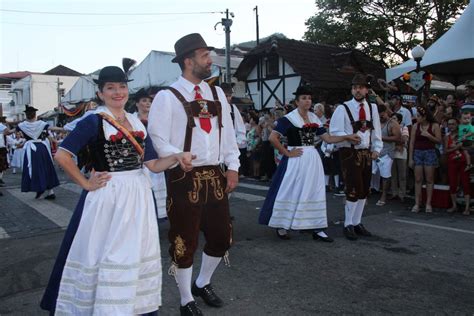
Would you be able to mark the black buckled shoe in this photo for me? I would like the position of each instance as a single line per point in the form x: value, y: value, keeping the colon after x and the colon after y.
x: 50, y: 197
x: 207, y: 294
x: 350, y: 233
x: 284, y: 236
x: 361, y: 231
x: 190, y: 309
x: 325, y: 239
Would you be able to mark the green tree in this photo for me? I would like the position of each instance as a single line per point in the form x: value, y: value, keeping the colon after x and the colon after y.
x: 385, y: 30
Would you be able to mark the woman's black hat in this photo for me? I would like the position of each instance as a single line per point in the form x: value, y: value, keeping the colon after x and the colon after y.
x: 112, y: 74
x: 228, y: 88
x: 303, y: 90
x: 29, y: 109
x: 188, y: 44
x: 142, y: 93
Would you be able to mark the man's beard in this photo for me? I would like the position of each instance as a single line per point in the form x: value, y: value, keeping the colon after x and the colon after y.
x: 358, y: 98
x: 201, y: 72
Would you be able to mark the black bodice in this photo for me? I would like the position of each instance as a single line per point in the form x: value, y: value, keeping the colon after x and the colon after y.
x: 116, y: 154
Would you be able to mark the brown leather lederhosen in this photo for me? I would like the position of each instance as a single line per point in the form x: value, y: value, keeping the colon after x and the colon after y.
x: 197, y: 199
x: 356, y: 164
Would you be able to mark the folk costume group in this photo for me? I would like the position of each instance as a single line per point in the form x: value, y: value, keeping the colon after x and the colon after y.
x: 109, y: 262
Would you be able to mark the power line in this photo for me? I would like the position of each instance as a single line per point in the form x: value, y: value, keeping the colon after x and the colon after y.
x: 113, y: 14
x: 79, y: 25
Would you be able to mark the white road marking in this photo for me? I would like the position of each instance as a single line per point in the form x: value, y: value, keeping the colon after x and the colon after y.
x: 70, y: 186
x: 253, y: 186
x: 435, y: 226
x: 247, y: 197
x: 55, y: 213
x: 3, y: 234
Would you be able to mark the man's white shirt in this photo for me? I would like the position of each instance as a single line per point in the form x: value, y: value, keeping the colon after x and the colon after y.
x: 340, y: 125
x: 167, y: 127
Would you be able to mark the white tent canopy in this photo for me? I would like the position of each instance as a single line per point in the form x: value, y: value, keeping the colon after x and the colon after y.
x: 83, y: 91
x: 157, y: 70
x: 451, y: 56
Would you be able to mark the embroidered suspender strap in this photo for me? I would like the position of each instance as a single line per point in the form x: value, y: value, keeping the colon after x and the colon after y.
x: 125, y: 132
x: 189, y: 127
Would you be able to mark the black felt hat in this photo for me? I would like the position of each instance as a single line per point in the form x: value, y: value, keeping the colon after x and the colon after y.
x: 303, y: 90
x: 29, y: 109
x: 112, y: 74
x: 188, y: 44
x: 228, y: 88
x: 142, y: 93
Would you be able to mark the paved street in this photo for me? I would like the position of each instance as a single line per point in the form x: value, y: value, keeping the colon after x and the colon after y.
x: 416, y: 263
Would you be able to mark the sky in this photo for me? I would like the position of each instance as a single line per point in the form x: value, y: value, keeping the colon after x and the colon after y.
x: 85, y: 43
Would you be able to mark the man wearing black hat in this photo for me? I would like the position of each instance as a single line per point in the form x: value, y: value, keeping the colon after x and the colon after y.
x: 193, y: 116
x: 239, y: 125
x: 39, y: 174
x: 357, y: 116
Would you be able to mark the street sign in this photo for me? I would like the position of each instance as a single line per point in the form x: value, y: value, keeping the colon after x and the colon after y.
x: 416, y: 80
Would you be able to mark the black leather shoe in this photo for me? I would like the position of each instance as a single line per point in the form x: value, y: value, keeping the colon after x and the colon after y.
x: 282, y: 236
x: 190, y: 309
x: 50, y: 197
x: 207, y: 294
x: 361, y: 231
x: 38, y: 195
x: 350, y: 233
x: 325, y: 239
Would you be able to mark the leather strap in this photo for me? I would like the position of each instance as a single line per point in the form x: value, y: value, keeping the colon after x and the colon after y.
x: 189, y: 113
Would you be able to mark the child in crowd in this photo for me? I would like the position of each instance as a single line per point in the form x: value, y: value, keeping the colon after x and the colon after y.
x: 466, y: 136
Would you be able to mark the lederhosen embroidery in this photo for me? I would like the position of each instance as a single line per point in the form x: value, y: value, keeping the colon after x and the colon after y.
x: 198, y: 187
x: 206, y: 179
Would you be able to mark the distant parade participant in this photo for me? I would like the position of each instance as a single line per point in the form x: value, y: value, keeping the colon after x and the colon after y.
x: 193, y: 116
x: 239, y: 126
x: 39, y: 174
x: 16, y: 143
x: 297, y: 196
x: 110, y: 262
x: 4, y: 131
x: 357, y: 116
x: 143, y: 103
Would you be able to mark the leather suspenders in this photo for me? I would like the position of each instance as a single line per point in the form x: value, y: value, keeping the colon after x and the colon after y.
x: 189, y: 113
x: 353, y: 123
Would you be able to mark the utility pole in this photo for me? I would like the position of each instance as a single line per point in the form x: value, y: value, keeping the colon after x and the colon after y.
x: 256, y: 18
x: 59, y: 84
x: 227, y: 24
x: 258, y: 42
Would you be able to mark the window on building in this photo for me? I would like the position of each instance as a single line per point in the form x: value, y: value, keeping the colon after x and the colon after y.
x: 272, y: 66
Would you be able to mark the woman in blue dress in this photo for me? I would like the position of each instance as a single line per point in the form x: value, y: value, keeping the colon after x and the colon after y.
x: 39, y: 174
x: 297, y: 196
x: 109, y: 262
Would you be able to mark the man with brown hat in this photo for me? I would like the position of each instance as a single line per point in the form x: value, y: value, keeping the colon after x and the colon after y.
x: 357, y: 116
x: 193, y: 116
